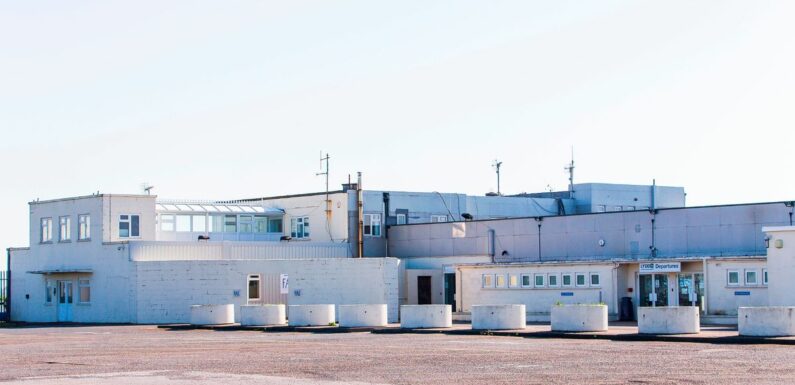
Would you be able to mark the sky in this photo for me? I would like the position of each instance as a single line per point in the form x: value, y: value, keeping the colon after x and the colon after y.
x: 235, y: 99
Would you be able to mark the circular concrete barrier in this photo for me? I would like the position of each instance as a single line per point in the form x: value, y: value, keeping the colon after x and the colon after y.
x: 212, y: 314
x: 362, y: 315
x: 579, y: 318
x: 260, y: 315
x: 310, y: 315
x: 499, y: 317
x: 669, y: 320
x: 426, y: 316
x: 766, y: 321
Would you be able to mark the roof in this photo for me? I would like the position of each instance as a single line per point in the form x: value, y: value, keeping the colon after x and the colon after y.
x: 63, y: 271
x: 214, y: 207
x: 37, y: 201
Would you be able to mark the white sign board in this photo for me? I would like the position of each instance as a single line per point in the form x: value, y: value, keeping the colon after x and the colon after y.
x: 660, y: 267
x: 283, y: 286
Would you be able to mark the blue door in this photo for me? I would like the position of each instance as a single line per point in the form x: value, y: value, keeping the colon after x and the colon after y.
x: 65, y: 300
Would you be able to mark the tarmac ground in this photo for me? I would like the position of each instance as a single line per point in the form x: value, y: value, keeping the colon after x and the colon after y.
x: 135, y: 354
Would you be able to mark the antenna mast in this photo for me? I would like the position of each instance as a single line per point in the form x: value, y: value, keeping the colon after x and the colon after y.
x: 570, y: 169
x: 325, y: 159
x: 496, y: 166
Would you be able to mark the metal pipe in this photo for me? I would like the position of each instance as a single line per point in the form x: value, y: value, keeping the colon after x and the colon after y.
x: 8, y: 285
x: 386, y: 223
x: 360, y: 215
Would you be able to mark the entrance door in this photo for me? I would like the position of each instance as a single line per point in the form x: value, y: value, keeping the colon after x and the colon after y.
x: 653, y: 289
x: 424, y: 290
x: 449, y: 290
x: 65, y: 295
x: 691, y: 289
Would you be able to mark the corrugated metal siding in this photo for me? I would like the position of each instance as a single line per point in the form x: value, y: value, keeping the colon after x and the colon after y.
x: 190, y: 251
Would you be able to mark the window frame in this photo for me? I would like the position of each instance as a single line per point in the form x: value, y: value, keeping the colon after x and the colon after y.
x: 398, y: 219
x: 728, y: 278
x: 83, y: 283
x: 67, y: 226
x: 543, y: 277
x: 497, y: 281
x: 529, y: 280
x: 168, y: 219
x: 584, y: 279
x: 45, y: 232
x: 370, y: 224
x: 83, y: 227
x: 436, y: 218
x: 764, y: 277
x: 50, y: 291
x: 487, y: 281
x: 304, y: 222
x: 549, y: 280
x: 129, y: 221
x: 756, y: 277
x: 563, y: 280
x: 598, y: 278
x: 254, y: 278
x: 513, y: 281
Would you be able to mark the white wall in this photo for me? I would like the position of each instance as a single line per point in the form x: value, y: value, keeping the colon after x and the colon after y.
x: 781, y: 266
x: 722, y: 298
x: 322, y: 229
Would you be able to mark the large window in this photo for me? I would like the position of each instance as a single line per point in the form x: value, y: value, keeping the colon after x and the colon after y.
x: 167, y: 222
x: 230, y: 223
x: 46, y: 230
x: 65, y: 229
x: 129, y: 226
x: 372, y: 225
x: 245, y: 223
x: 275, y: 225
x: 733, y: 278
x: 183, y: 223
x: 83, y: 227
x: 260, y: 224
x: 199, y: 223
x: 253, y: 287
x: 84, y: 290
x: 299, y: 227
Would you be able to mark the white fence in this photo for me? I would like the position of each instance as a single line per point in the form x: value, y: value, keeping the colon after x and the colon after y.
x: 193, y: 251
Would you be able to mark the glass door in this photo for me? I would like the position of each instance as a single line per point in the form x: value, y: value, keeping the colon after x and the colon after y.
x: 65, y: 299
x: 691, y: 289
x: 653, y: 289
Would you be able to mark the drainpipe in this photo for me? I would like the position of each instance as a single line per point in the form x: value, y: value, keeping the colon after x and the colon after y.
x: 360, y: 216
x: 538, y: 220
x: 704, y: 301
x: 8, y: 285
x: 386, y: 224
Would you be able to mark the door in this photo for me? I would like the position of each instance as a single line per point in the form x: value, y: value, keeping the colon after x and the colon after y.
x: 691, y: 289
x: 65, y: 299
x: 424, y: 290
x: 653, y: 289
x: 449, y: 289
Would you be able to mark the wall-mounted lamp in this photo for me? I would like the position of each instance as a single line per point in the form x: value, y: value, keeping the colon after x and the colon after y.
x: 779, y: 243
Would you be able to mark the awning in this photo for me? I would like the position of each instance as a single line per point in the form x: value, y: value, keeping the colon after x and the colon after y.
x: 63, y: 271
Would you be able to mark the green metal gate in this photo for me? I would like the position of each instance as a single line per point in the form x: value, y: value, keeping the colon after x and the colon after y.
x: 5, y: 285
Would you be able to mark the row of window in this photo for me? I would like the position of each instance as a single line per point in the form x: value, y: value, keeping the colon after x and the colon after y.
x: 65, y: 295
x: 541, y: 280
x: 606, y: 208
x: 750, y: 278
x: 65, y: 228
x: 220, y: 223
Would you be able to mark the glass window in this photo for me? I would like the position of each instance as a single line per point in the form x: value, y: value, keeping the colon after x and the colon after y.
x: 372, y: 225
x: 199, y: 223
x: 595, y: 279
x: 539, y: 280
x: 230, y: 223
x: 580, y: 279
x: 183, y: 223
x: 49, y: 287
x: 500, y: 280
x: 733, y: 278
x: 525, y: 280
x: 401, y: 219
x: 260, y: 224
x: 513, y: 281
x: 46, y: 230
x: 166, y: 222
x: 217, y: 223
x: 275, y: 225
x: 438, y: 218
x: 553, y: 280
x: 83, y: 227
x: 65, y: 226
x: 488, y: 280
x: 253, y: 287
x: 245, y: 224
x: 764, y: 276
x: 84, y: 290
x: 135, y: 226
x: 566, y: 279
x: 299, y: 227
x: 750, y: 277
x: 129, y: 226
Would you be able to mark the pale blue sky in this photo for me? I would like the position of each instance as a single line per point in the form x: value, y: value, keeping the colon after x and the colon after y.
x: 230, y: 99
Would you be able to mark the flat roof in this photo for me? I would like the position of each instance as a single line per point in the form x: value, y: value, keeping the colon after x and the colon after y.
x: 91, y: 196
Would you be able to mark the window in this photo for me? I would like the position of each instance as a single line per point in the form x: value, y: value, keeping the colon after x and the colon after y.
x: 299, y: 227
x: 595, y: 279
x: 49, y: 287
x: 751, y: 277
x: 525, y: 280
x: 216, y: 224
x: 84, y: 290
x: 733, y: 278
x: 83, y: 227
x: 260, y: 224
x: 539, y: 280
x: 183, y: 223
x: 245, y: 224
x: 438, y: 218
x: 553, y: 280
x: 580, y: 279
x: 513, y: 281
x: 500, y: 278
x: 488, y: 280
x: 253, y: 287
x: 129, y: 226
x: 199, y: 223
x: 372, y: 225
x: 65, y: 232
x: 46, y: 230
x: 167, y: 222
x: 401, y: 219
x: 230, y: 223
x: 764, y: 276
x: 566, y: 279
x: 275, y: 225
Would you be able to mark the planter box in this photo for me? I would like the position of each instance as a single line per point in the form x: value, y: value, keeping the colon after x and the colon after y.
x: 212, y: 314
x: 426, y: 316
x: 259, y: 315
x: 669, y: 320
x: 579, y: 318
x: 498, y: 317
x: 362, y: 315
x: 311, y: 315
x: 768, y: 321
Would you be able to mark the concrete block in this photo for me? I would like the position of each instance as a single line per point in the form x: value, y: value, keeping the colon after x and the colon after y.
x: 310, y: 315
x: 767, y: 321
x: 669, y: 320
x: 426, y: 316
x: 212, y: 314
x: 363, y: 315
x: 579, y: 318
x: 498, y: 317
x: 259, y: 315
